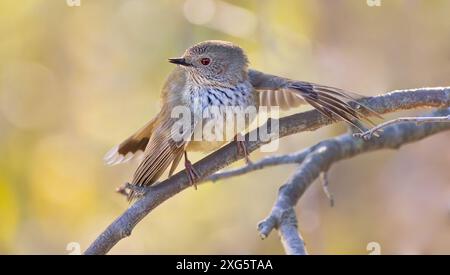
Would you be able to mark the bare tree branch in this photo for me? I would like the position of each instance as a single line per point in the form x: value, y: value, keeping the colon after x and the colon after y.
x: 308, y: 121
x: 290, y: 237
x: 285, y: 220
x: 333, y: 150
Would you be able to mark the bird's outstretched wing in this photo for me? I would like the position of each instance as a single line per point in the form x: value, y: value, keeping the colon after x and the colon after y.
x: 332, y: 102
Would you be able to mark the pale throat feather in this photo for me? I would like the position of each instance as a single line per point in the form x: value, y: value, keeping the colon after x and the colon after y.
x: 202, y: 96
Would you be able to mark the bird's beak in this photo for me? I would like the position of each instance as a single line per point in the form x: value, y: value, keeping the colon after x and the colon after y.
x: 179, y: 61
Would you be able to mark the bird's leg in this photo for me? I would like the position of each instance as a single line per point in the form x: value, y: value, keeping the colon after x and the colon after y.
x: 242, y: 148
x: 190, y: 171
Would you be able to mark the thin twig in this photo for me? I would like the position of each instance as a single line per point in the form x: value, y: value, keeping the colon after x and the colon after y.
x: 268, y: 161
x: 418, y: 120
x: 325, y: 183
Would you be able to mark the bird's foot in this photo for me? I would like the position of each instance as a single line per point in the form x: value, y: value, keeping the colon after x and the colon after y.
x: 191, y: 172
x: 242, y: 148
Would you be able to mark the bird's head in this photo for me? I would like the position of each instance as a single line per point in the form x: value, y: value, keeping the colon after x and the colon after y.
x: 214, y: 61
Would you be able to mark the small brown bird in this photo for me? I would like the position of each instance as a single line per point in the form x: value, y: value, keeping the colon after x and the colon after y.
x: 216, y: 73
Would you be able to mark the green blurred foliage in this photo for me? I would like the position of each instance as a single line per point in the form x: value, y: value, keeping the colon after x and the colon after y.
x: 74, y: 81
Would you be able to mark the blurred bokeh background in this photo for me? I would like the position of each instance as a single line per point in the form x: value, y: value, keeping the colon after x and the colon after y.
x: 74, y: 81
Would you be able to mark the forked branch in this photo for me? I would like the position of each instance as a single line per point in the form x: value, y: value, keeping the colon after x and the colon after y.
x: 314, y: 160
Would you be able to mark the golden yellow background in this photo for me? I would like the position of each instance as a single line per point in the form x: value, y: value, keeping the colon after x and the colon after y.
x: 74, y: 81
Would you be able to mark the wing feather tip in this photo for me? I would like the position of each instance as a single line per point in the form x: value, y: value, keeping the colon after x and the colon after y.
x: 113, y: 157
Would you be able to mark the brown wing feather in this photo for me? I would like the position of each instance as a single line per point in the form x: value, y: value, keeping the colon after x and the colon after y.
x: 131, y: 146
x: 175, y: 163
x: 336, y: 101
x: 161, y: 151
x: 282, y: 98
x: 332, y: 102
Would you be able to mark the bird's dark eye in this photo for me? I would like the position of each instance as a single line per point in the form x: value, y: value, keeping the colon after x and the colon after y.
x: 205, y: 61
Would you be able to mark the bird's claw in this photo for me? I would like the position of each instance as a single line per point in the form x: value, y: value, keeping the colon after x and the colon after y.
x: 192, y: 173
x: 242, y: 150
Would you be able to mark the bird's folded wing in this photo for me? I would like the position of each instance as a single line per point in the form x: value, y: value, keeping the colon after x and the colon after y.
x: 332, y: 102
x: 175, y: 163
x: 166, y: 146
